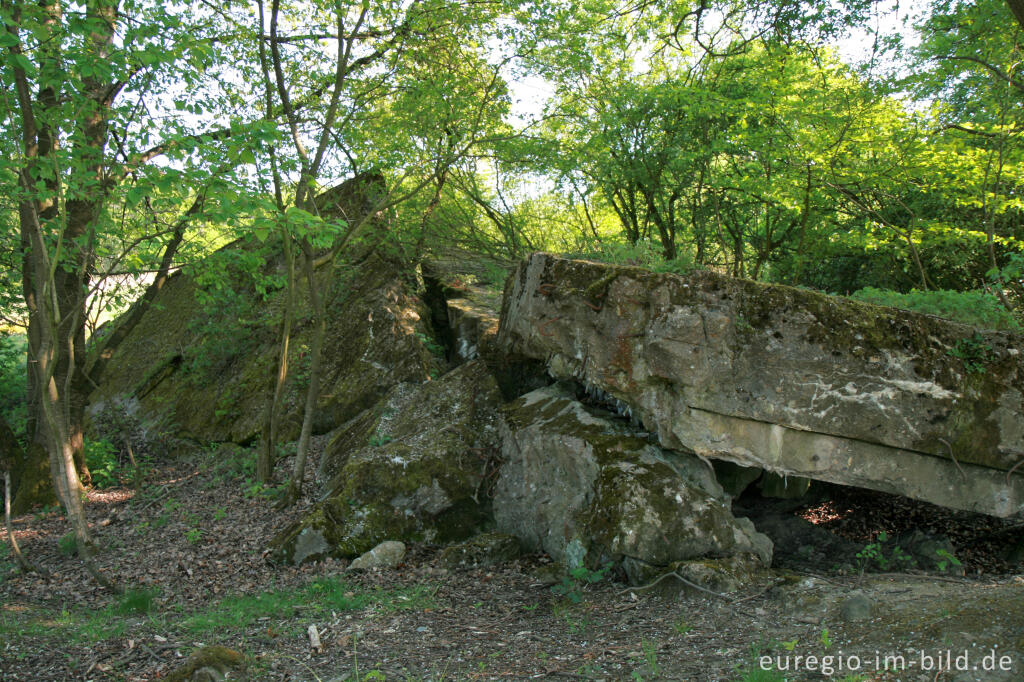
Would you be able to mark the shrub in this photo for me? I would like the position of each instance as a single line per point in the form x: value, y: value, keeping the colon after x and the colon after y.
x: 975, y: 308
x: 12, y: 382
x: 101, y: 458
x: 644, y: 254
x: 67, y: 545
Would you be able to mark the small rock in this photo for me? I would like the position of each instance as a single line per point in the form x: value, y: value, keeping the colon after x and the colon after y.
x: 856, y: 607
x: 387, y: 554
x: 485, y: 549
x: 930, y: 552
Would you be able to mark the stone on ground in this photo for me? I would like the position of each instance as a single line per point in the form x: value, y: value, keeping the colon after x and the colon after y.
x: 387, y: 554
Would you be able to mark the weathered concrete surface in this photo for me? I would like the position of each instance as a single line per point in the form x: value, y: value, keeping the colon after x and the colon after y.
x: 473, y: 319
x: 587, y: 491
x: 785, y: 379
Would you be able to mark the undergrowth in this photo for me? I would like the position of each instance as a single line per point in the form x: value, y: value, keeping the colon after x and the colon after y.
x: 288, y: 609
x: 644, y: 254
x: 976, y: 308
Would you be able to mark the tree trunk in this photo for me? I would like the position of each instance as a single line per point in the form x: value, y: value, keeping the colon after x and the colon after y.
x: 272, y: 407
x: 313, y: 390
x: 1017, y: 7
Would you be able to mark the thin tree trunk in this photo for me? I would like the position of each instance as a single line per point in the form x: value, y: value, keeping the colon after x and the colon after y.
x: 23, y: 563
x: 313, y: 390
x: 62, y: 465
x: 272, y: 407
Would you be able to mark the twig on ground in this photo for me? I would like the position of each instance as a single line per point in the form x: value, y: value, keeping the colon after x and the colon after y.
x: 673, y: 574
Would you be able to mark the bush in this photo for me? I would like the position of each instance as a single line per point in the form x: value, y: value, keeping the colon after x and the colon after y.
x: 118, y: 427
x: 101, y: 458
x: 12, y: 383
x: 643, y: 254
x: 975, y: 308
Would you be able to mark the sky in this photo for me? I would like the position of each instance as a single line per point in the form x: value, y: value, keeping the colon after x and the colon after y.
x: 529, y: 93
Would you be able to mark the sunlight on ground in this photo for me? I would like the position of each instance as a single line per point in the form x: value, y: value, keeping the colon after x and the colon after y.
x: 114, y: 496
x: 823, y: 513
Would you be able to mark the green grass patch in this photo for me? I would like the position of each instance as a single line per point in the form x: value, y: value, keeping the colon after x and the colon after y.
x: 137, y: 601
x: 76, y: 627
x: 230, y: 614
x: 321, y: 596
x: 757, y: 674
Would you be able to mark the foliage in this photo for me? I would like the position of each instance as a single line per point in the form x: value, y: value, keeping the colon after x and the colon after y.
x: 12, y: 382
x: 642, y: 254
x: 976, y: 308
x: 67, y: 545
x: 884, y: 555
x: 377, y: 440
x: 101, y: 458
x: 680, y: 626
x: 138, y: 601
x: 973, y: 352
x: 946, y: 560
x: 435, y: 349
x: 576, y: 582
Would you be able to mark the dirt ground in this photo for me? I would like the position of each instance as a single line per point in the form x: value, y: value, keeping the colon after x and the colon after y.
x: 191, y: 544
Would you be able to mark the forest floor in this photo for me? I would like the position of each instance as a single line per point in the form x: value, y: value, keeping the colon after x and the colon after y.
x: 191, y: 545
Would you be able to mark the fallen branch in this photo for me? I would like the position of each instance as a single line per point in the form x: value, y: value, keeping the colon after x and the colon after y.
x: 673, y: 574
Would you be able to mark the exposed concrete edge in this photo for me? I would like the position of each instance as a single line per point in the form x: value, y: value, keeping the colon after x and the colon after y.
x: 824, y: 457
x: 852, y: 462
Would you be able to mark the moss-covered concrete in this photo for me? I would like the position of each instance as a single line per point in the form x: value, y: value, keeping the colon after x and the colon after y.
x: 412, y: 468
x: 202, y: 370
x: 785, y: 379
x: 583, y: 488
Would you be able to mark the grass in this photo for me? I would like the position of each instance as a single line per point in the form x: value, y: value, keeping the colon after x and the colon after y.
x: 758, y: 674
x: 138, y: 601
x: 5, y: 565
x: 230, y: 614
x: 76, y: 627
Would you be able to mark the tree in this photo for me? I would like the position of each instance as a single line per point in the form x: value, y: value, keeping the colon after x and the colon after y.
x: 408, y: 92
x: 79, y: 81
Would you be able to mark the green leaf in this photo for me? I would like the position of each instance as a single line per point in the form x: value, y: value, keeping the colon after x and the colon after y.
x: 136, y: 194
x: 20, y: 61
